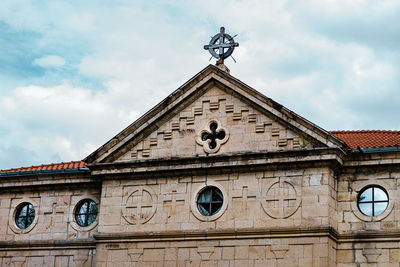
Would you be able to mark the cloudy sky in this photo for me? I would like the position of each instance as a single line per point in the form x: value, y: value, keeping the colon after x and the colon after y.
x: 75, y: 73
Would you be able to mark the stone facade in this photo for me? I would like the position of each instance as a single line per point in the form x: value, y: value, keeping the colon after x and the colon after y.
x: 290, y: 191
x: 53, y: 238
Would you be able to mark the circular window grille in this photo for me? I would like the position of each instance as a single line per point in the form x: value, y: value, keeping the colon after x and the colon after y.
x: 25, y: 215
x: 210, y: 201
x: 373, y: 201
x: 86, y: 212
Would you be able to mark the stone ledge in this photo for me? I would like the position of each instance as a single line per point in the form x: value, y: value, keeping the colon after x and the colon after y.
x: 45, y: 179
x: 375, y: 162
x: 370, y: 236
x: 29, y: 184
x: 358, y: 159
x: 235, y: 160
x: 48, y: 244
x: 252, y: 233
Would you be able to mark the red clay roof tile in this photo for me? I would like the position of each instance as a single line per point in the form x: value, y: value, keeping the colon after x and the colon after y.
x: 369, y: 138
x: 53, y: 166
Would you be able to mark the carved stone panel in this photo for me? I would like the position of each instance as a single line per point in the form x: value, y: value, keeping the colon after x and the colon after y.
x: 281, y: 199
x: 140, y: 205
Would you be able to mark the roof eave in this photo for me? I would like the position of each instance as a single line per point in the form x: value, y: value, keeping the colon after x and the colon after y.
x: 376, y: 149
x: 43, y: 172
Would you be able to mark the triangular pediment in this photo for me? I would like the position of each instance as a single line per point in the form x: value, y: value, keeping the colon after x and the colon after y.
x: 182, y: 124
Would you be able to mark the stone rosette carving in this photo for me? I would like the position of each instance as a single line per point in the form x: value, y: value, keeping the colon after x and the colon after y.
x: 281, y: 199
x: 212, y: 136
x: 140, y: 206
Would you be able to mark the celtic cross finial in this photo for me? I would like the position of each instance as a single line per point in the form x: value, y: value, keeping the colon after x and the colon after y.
x: 221, y: 46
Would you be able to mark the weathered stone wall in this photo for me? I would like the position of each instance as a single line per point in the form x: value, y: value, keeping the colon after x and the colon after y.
x: 54, y: 238
x: 287, y: 198
x: 350, y: 185
x: 53, y: 210
x: 368, y: 241
x: 369, y: 253
x: 305, y: 251
x: 47, y: 257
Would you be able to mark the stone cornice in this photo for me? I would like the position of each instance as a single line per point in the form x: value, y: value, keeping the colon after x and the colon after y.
x: 250, y: 233
x: 22, y: 182
x: 359, y: 159
x: 48, y: 244
x: 263, y: 160
x: 201, y: 235
x: 370, y: 236
x: 194, y: 235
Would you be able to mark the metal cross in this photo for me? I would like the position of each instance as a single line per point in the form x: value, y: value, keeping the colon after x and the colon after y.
x: 219, y: 43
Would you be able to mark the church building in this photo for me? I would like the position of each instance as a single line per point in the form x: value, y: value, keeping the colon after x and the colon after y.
x: 216, y: 174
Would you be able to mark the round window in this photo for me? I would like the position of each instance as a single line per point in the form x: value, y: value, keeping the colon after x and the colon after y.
x: 25, y: 215
x: 86, y: 212
x: 210, y: 201
x: 373, y: 201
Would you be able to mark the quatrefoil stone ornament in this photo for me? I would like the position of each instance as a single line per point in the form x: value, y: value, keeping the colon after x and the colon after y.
x: 212, y: 137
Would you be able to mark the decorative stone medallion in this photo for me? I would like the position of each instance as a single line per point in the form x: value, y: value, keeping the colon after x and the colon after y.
x: 281, y: 199
x: 212, y: 136
x: 140, y: 206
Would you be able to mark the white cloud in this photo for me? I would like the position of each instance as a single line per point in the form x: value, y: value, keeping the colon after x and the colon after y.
x: 50, y: 61
x: 63, y: 120
x: 334, y: 62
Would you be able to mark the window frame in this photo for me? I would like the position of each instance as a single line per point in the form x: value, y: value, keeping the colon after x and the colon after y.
x: 76, y: 200
x: 212, y: 189
x: 87, y: 213
x: 27, y: 216
x: 195, y: 195
x: 15, y: 205
x: 359, y: 186
x: 373, y: 201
